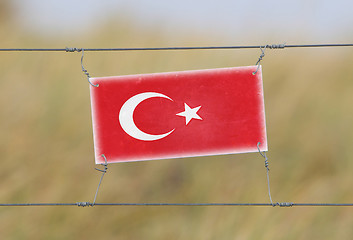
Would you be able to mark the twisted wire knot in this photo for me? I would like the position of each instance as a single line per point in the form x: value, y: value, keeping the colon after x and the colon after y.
x: 267, y: 164
x: 273, y: 46
x: 84, y: 204
x: 68, y: 49
x: 283, y: 204
x: 276, y: 46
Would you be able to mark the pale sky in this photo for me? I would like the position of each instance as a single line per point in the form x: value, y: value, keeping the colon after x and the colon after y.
x: 315, y: 20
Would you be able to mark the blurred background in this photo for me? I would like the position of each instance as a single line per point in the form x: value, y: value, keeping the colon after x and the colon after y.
x: 46, y: 141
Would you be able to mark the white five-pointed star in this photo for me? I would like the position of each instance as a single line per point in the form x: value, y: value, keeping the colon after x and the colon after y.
x: 189, y: 113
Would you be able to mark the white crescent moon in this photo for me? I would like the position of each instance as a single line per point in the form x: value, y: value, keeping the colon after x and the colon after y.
x: 127, y: 121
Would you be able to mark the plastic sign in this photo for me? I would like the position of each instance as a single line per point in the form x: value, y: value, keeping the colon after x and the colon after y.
x: 178, y: 114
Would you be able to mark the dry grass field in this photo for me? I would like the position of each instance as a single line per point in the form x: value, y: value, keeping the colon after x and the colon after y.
x: 46, y: 145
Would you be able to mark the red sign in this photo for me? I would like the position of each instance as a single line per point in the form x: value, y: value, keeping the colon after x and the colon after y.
x: 178, y: 114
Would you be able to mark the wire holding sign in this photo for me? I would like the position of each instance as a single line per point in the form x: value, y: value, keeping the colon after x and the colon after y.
x: 263, y: 154
x: 85, y: 71
x: 104, y: 171
x: 260, y: 59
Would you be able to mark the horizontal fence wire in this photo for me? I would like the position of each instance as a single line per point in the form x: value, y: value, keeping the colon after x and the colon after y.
x: 271, y: 46
x: 88, y: 204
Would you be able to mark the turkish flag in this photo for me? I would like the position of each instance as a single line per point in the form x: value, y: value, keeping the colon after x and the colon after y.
x: 178, y: 114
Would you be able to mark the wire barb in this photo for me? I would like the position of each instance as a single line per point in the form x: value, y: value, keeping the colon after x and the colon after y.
x: 263, y: 154
x: 103, y: 172
x: 83, y: 69
x: 285, y: 204
x: 68, y: 49
x: 276, y: 46
x: 84, y: 204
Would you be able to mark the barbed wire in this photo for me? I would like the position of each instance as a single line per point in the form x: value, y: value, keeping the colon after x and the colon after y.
x: 262, y: 47
x: 88, y: 204
x: 270, y: 46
